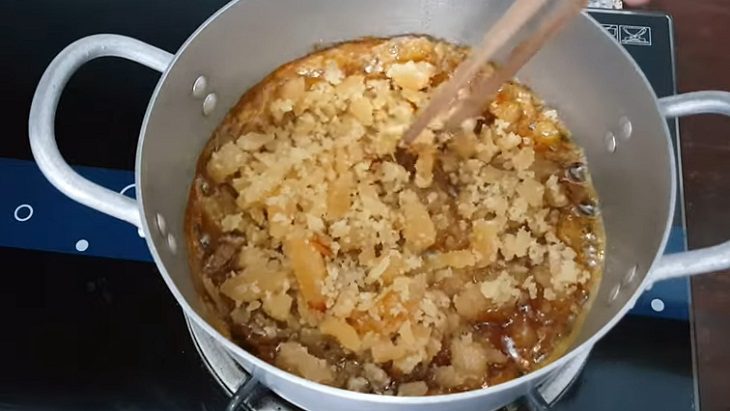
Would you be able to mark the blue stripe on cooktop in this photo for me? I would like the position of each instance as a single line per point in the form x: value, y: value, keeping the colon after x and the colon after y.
x: 61, y: 225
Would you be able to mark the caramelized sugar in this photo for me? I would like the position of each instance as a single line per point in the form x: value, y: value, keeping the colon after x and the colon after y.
x: 322, y: 246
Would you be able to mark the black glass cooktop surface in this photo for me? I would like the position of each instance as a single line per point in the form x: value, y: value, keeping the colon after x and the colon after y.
x: 88, y: 322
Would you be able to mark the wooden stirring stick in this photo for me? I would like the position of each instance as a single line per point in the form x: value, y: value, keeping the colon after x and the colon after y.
x: 507, y: 26
x: 485, y: 88
x: 514, y: 19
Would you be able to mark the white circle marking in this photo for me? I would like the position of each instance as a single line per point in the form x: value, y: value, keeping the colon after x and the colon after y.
x: 657, y: 305
x: 21, y: 207
x: 82, y: 245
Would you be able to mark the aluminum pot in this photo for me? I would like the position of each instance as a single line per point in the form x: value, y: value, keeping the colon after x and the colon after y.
x: 599, y: 90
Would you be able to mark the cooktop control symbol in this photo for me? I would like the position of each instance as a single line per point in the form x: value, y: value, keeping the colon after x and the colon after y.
x: 635, y: 35
x: 657, y: 305
x: 23, y: 213
x: 612, y: 29
x: 82, y: 245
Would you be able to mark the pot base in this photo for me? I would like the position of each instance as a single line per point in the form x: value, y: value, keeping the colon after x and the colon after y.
x: 230, y: 376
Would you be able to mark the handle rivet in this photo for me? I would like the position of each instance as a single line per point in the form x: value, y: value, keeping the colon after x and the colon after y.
x: 587, y: 209
x: 625, y: 128
x: 610, y: 140
x: 614, y: 293
x: 209, y: 103
x: 200, y: 86
x: 161, y: 225
x: 577, y: 172
x: 630, y: 275
x: 172, y: 243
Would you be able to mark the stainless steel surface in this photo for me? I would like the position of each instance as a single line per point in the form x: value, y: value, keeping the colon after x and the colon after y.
x: 245, y: 40
x: 41, y: 122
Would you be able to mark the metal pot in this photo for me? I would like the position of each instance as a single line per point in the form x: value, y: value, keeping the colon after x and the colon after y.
x: 596, y: 86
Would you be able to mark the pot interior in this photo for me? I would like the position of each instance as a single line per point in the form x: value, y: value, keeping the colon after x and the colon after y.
x: 583, y: 73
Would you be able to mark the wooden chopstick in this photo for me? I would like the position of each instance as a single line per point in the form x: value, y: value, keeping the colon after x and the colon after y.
x: 507, y: 26
x: 485, y: 88
x: 516, y: 17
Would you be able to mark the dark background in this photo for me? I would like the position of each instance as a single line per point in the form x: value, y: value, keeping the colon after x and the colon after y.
x: 79, y: 332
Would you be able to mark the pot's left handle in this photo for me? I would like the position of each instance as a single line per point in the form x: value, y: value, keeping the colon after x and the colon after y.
x: 43, y: 116
x: 704, y: 260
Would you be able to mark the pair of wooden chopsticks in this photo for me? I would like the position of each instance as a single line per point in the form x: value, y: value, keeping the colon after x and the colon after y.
x: 483, y: 88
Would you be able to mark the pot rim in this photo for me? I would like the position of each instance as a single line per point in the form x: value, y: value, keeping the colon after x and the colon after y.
x: 258, y: 363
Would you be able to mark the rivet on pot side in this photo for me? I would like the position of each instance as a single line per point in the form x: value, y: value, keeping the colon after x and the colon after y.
x: 614, y: 293
x: 209, y: 103
x: 625, y: 128
x: 172, y: 243
x: 199, y: 86
x: 630, y: 275
x: 577, y: 172
x: 161, y: 225
x: 610, y: 140
x: 588, y: 209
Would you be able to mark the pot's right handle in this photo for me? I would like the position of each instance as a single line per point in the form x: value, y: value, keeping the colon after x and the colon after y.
x: 43, y: 116
x: 704, y: 260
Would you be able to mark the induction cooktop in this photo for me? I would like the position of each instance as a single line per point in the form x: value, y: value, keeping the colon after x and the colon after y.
x: 89, y: 323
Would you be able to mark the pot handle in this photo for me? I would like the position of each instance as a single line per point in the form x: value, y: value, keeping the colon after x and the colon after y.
x: 43, y: 116
x: 704, y: 260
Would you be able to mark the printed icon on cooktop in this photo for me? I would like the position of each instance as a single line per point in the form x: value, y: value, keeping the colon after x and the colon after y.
x: 23, y: 213
x: 635, y: 35
x: 82, y: 245
x: 612, y: 29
